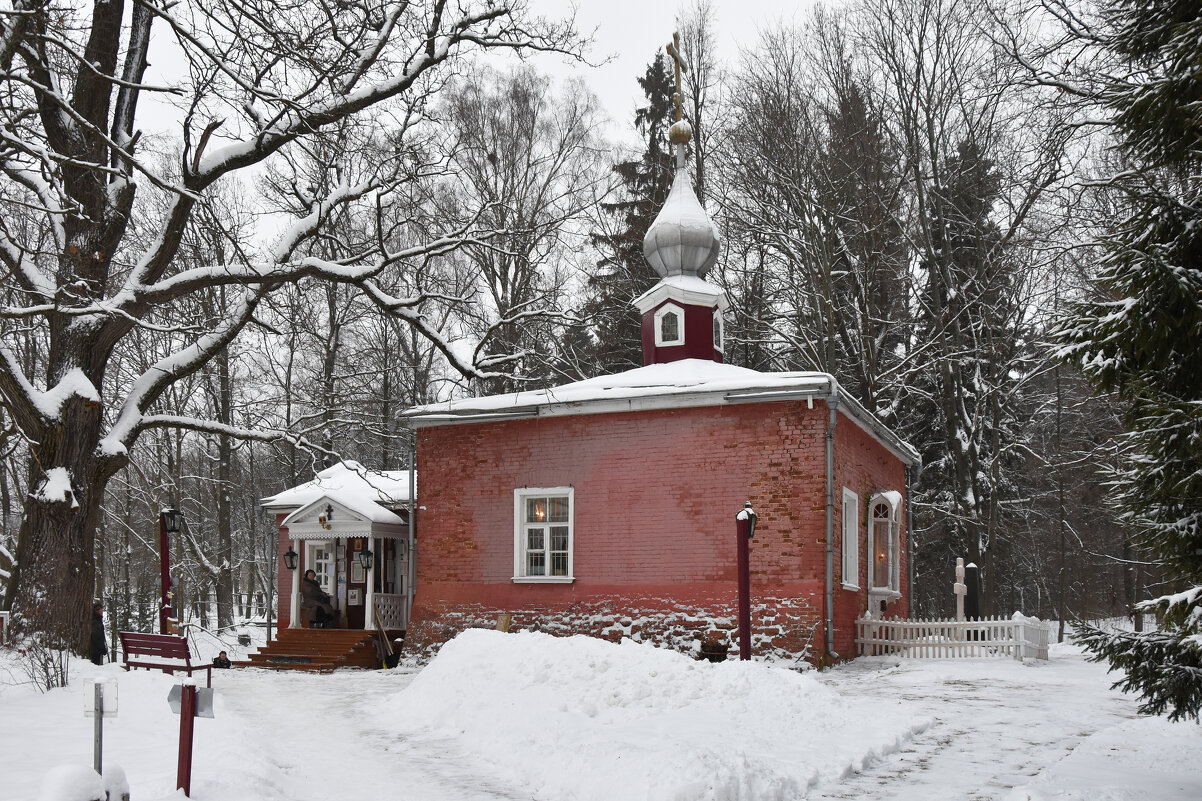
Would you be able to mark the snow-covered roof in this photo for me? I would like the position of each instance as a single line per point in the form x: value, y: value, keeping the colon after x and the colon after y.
x: 368, y: 493
x: 318, y: 515
x: 678, y: 384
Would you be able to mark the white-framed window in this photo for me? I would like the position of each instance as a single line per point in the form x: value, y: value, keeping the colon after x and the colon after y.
x: 542, y: 534
x: 669, y: 325
x: 851, y: 540
x: 885, y: 541
x: 718, y: 329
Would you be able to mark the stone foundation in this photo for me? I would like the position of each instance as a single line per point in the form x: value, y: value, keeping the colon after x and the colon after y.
x: 782, y: 628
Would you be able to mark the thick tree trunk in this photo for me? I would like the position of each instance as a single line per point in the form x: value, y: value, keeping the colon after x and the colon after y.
x: 52, y: 587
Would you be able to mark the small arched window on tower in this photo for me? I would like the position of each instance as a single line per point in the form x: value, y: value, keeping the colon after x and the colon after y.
x: 669, y: 325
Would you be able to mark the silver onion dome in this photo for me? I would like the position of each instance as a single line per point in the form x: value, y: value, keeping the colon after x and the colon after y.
x: 682, y: 240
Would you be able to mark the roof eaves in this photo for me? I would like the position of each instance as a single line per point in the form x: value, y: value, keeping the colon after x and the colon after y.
x: 885, y: 435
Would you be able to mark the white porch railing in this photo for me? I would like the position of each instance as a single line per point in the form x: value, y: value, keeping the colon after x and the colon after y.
x: 1017, y: 637
x: 391, y: 609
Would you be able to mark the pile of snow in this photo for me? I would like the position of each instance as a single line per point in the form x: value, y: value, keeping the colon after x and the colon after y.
x: 581, y: 718
x: 72, y: 783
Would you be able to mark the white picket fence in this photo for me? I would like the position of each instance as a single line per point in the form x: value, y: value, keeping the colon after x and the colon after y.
x: 1016, y: 637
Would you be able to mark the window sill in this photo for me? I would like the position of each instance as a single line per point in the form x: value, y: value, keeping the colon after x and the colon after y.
x: 543, y: 579
x: 852, y: 587
x: 885, y: 593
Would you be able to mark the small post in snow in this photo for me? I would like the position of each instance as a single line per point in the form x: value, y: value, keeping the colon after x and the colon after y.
x: 972, y: 600
x: 99, y: 702
x: 960, y: 589
x: 189, y: 702
x: 187, y: 721
x: 744, y: 531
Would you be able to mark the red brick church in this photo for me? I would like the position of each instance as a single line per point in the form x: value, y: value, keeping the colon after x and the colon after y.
x: 607, y: 507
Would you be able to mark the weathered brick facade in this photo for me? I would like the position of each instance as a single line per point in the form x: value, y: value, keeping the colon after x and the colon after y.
x: 655, y: 496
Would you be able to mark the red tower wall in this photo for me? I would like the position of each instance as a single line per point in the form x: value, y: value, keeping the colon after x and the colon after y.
x: 698, y: 336
x: 655, y: 497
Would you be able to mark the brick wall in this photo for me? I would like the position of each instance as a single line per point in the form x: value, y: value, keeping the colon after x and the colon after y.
x: 863, y: 466
x: 655, y: 497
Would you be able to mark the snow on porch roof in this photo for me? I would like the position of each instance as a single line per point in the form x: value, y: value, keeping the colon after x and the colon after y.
x: 687, y: 382
x: 368, y: 493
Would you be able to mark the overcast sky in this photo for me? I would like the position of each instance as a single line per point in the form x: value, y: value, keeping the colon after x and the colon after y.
x: 628, y: 32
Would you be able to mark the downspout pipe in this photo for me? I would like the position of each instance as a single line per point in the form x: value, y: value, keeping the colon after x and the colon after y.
x: 411, y: 563
x: 913, y: 472
x: 832, y: 403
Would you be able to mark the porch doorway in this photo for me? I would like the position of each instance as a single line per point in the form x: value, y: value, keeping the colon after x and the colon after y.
x: 320, y: 557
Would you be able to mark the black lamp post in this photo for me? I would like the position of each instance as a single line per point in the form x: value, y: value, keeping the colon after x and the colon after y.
x: 170, y: 521
x: 365, y: 558
x: 291, y: 558
x: 744, y: 531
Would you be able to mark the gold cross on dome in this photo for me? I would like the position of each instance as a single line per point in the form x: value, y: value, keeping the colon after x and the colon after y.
x: 673, y: 49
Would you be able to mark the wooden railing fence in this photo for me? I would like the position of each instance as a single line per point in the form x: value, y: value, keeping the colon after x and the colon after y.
x: 1017, y: 637
x: 391, y: 609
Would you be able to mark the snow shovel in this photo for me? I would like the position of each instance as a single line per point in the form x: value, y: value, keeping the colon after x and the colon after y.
x: 390, y: 659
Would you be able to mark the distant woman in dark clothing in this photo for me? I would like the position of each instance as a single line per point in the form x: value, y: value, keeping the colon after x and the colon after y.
x: 96, y: 646
x: 315, y: 601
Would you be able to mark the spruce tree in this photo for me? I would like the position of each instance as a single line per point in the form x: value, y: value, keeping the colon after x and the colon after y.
x: 1142, y: 337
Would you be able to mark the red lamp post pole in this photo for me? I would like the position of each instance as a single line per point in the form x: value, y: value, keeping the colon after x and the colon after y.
x: 744, y: 531
x: 164, y: 575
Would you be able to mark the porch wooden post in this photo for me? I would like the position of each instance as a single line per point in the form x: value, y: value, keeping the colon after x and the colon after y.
x: 368, y: 594
x: 294, y: 601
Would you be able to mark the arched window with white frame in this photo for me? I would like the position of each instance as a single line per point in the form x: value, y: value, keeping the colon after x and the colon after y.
x: 884, y: 532
x: 669, y: 325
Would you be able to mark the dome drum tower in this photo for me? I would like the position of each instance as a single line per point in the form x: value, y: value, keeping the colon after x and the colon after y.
x: 682, y: 314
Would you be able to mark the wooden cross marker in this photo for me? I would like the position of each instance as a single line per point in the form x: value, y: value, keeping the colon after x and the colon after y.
x: 673, y: 49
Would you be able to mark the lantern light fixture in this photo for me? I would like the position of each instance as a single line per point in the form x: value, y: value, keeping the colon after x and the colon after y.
x: 750, y: 516
x: 172, y: 520
x: 291, y: 558
x: 365, y: 558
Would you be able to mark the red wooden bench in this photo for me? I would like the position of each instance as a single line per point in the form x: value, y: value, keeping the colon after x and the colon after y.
x: 153, y: 650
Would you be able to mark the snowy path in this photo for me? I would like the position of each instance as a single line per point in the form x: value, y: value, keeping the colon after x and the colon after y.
x: 318, y: 744
x: 996, y: 724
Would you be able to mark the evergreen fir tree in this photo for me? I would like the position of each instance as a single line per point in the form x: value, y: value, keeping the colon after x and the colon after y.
x: 622, y: 273
x: 1143, y: 338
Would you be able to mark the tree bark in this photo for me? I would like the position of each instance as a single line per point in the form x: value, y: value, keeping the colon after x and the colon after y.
x: 52, y: 587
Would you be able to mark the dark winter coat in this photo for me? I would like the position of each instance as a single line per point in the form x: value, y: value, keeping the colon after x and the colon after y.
x: 96, y: 645
x: 313, y: 597
x: 220, y: 661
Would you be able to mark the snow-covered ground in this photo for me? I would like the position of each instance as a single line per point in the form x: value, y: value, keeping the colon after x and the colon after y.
x: 527, y: 716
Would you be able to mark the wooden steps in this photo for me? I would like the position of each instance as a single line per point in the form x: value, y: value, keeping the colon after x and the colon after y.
x: 316, y: 650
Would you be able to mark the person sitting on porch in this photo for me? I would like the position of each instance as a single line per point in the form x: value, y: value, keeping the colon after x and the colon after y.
x: 315, y: 601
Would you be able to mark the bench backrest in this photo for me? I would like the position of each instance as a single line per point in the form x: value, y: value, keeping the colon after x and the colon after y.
x: 166, y: 646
